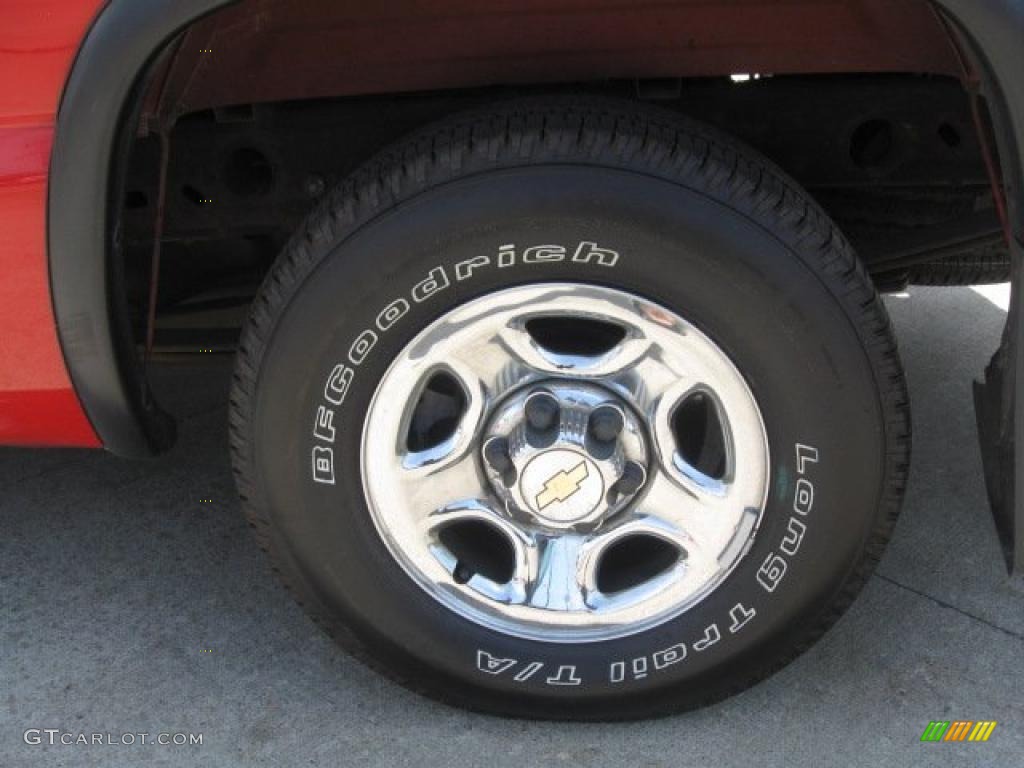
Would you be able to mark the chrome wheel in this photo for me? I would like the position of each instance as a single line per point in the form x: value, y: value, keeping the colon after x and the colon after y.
x: 565, y: 462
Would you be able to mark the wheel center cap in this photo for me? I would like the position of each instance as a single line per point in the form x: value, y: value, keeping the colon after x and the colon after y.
x: 562, y: 485
x: 564, y: 454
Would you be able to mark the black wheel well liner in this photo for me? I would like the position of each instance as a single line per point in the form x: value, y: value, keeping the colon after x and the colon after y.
x: 81, y: 221
x: 86, y: 162
x: 994, y: 32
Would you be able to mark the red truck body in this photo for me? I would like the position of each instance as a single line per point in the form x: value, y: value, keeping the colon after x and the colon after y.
x: 38, y: 41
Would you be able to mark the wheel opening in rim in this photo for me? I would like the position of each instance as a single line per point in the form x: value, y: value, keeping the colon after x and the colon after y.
x: 582, y: 336
x: 479, y: 548
x: 700, y: 435
x: 436, y: 415
x: 633, y: 561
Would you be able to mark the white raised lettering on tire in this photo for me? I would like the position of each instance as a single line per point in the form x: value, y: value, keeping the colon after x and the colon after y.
x: 340, y: 379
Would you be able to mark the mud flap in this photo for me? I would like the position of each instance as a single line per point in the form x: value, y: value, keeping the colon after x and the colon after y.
x: 1001, y: 427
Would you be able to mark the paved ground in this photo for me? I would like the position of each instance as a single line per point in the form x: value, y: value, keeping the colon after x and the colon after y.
x: 116, y: 577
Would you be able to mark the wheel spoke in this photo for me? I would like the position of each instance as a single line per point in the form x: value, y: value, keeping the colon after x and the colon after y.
x: 704, y: 525
x: 648, y: 373
x: 524, y: 546
x: 564, y: 577
x: 452, y: 479
x: 495, y: 363
x: 689, y: 519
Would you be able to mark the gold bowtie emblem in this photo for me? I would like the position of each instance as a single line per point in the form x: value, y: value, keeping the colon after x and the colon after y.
x: 562, y: 485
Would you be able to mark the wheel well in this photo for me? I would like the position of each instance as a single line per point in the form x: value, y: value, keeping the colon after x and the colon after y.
x: 264, y: 104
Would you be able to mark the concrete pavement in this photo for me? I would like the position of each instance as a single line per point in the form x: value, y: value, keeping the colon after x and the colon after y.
x: 130, y: 603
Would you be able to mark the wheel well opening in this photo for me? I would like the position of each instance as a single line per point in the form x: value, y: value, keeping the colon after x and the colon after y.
x: 880, y: 136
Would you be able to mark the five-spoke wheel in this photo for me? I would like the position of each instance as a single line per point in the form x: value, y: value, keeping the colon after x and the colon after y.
x: 565, y: 461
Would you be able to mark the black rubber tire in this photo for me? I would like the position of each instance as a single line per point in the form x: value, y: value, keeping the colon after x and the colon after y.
x: 703, y: 226
x: 981, y: 265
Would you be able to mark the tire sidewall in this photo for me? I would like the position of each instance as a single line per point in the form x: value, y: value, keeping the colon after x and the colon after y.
x: 736, y: 280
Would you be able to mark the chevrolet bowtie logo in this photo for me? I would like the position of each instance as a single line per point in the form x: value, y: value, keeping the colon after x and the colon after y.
x: 562, y: 485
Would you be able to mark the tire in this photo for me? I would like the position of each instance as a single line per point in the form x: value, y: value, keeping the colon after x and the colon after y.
x: 980, y: 265
x: 701, y: 227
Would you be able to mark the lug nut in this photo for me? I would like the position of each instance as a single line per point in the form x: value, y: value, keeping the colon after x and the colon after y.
x: 632, y: 480
x: 496, y: 454
x: 605, y: 423
x: 541, y: 410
